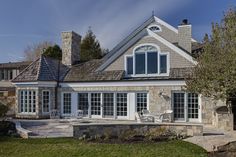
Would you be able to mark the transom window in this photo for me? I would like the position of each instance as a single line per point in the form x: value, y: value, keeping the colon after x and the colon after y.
x: 27, y: 101
x: 147, y: 60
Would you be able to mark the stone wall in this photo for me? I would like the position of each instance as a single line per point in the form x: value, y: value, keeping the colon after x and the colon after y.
x: 70, y: 48
x: 116, y: 130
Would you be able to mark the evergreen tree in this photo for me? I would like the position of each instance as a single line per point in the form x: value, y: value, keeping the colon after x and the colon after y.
x: 90, y: 47
x: 54, y: 52
x: 215, y: 74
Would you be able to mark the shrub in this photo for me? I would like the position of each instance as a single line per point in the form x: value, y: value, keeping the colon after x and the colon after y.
x: 3, y: 110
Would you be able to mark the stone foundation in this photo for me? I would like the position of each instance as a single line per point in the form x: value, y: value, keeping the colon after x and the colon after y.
x: 115, y: 130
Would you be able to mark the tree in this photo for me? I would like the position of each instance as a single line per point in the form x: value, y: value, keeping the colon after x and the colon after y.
x: 215, y: 74
x: 90, y: 47
x: 3, y: 110
x: 54, y: 52
x: 32, y: 52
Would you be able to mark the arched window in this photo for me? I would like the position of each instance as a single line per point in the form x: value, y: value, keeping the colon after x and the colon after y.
x: 146, y: 60
x: 154, y: 28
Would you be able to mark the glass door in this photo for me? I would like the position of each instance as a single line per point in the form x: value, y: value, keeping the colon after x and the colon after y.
x: 108, y: 105
x: 186, y: 107
x: 179, y: 106
x: 83, y: 103
x: 96, y: 105
x: 193, y: 107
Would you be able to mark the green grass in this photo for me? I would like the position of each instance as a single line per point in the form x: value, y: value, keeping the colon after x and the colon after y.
x: 69, y: 147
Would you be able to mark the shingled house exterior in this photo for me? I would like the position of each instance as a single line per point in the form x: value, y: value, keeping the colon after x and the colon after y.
x: 146, y: 70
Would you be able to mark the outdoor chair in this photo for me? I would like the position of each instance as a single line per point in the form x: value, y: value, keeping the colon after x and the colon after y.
x: 54, y: 114
x: 80, y: 113
x: 143, y: 118
x: 166, y: 116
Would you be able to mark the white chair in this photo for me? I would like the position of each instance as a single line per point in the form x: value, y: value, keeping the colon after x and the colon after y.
x: 143, y: 118
x: 54, y: 114
x: 80, y: 113
x: 166, y: 116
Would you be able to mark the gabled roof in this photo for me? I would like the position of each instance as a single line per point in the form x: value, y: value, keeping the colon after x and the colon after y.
x: 137, y: 34
x: 87, y: 72
x: 43, y: 69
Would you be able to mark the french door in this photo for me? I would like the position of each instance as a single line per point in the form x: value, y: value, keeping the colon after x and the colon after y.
x: 103, y: 105
x: 186, y: 107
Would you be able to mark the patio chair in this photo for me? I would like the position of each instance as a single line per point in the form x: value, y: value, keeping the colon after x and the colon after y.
x: 80, y: 113
x: 54, y: 114
x: 166, y: 116
x: 143, y: 118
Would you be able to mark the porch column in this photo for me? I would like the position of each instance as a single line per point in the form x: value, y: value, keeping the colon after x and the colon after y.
x: 131, y: 106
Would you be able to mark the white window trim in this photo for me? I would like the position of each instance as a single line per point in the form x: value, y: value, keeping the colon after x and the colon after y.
x: 49, y: 105
x: 155, y: 25
x: 186, y: 119
x: 19, y: 102
x: 159, y: 53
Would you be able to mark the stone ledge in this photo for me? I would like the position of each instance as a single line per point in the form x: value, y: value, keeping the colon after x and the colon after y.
x: 21, y: 131
x: 92, y: 130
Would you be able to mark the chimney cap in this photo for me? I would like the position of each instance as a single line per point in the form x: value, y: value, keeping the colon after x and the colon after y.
x: 184, y: 22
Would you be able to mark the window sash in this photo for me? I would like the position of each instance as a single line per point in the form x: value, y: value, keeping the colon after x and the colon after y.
x: 140, y: 63
x: 141, y: 102
x: 152, y: 62
x: 163, y: 64
x: 129, y: 65
x: 46, y: 101
x: 67, y: 103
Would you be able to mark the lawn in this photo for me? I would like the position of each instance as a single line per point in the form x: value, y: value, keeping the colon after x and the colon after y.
x: 69, y: 147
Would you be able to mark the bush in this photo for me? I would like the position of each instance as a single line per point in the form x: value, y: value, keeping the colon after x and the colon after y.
x: 3, y: 110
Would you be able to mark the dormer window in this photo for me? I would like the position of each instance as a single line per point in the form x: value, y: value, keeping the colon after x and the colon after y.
x: 147, y: 60
x: 154, y: 28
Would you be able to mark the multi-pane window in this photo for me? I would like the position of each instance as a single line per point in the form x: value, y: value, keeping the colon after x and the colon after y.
x: 121, y: 103
x: 129, y: 65
x: 147, y: 60
x: 96, y: 103
x: 141, y: 102
x: 192, y: 105
x: 108, y: 104
x: 46, y: 101
x: 27, y: 101
x: 67, y: 103
x: 83, y: 103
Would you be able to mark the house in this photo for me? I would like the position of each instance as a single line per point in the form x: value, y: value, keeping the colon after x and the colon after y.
x: 9, y: 71
x: 146, y: 70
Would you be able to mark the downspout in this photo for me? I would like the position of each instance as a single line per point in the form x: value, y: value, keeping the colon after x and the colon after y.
x: 57, y: 85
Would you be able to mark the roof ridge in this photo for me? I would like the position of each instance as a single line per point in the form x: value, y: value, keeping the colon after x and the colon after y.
x: 48, y: 67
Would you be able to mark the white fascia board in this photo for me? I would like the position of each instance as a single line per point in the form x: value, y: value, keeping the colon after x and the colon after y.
x: 125, y: 83
x: 123, y: 49
x: 36, y: 84
x: 168, y: 26
x: 173, y: 47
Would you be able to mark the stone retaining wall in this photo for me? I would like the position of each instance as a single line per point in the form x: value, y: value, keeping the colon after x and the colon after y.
x: 115, y: 130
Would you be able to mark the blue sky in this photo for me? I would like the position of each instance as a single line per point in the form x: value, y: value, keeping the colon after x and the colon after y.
x: 26, y: 22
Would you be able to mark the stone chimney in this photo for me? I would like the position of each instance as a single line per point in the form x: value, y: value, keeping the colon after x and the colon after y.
x: 70, y: 48
x: 185, y: 35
